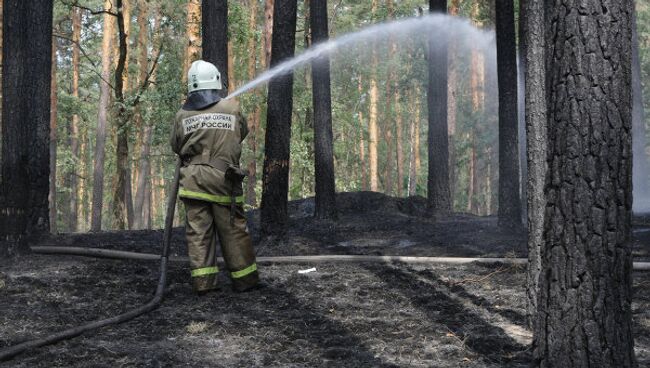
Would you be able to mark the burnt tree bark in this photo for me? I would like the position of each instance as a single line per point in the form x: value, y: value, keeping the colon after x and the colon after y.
x: 275, y: 180
x: 584, y: 312
x: 25, y: 165
x: 641, y: 171
x: 214, y: 15
x: 439, y: 194
x: 535, y: 110
x: 509, y: 196
x: 323, y: 146
x: 53, y: 140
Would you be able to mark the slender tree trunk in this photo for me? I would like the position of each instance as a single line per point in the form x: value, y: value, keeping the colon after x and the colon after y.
x: 323, y: 145
x: 25, y: 162
x: 192, y: 35
x: 269, y: 6
x: 143, y: 136
x: 584, y: 314
x: 253, y: 120
x: 439, y: 196
x: 215, y: 36
x: 373, y: 130
x: 414, y: 162
x: 521, y: 110
x: 641, y: 172
x: 509, y: 198
x: 400, y: 142
x: 362, y: 142
x: 120, y: 206
x: 452, y: 107
x: 275, y: 181
x: 100, y: 138
x: 78, y: 162
x: 535, y: 94
x: 53, y: 140
x: 471, y: 179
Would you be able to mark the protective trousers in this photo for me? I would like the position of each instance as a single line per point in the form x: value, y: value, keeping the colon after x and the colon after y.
x: 203, y: 220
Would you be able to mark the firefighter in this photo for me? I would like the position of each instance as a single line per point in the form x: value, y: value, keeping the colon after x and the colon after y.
x: 207, y: 135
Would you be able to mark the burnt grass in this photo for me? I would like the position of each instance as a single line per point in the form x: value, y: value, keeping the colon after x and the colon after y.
x: 341, y: 315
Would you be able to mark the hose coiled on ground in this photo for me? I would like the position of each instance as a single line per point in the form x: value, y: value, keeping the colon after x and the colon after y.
x: 12, y: 351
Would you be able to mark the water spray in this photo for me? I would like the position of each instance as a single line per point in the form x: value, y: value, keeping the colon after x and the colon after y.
x: 435, y: 24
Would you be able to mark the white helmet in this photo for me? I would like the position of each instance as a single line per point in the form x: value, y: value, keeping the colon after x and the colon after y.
x: 203, y: 75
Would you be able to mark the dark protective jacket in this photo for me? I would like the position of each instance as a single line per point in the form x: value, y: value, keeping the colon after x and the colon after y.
x: 205, y: 139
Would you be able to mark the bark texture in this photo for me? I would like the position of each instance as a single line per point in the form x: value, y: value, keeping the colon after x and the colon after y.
x: 75, y: 194
x: 641, y: 172
x: 275, y: 181
x: 25, y: 165
x: 509, y: 196
x: 192, y: 34
x: 535, y: 109
x: 215, y: 36
x: 584, y: 311
x: 323, y: 145
x: 121, y: 199
x: 53, y: 141
x: 439, y: 194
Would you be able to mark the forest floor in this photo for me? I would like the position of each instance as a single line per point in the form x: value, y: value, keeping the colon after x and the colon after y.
x: 345, y: 315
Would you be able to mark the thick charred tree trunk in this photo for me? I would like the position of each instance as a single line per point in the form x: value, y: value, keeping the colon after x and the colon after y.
x: 214, y: 14
x: 584, y: 312
x: 509, y: 198
x: 535, y: 106
x: 323, y: 145
x: 439, y: 194
x: 641, y: 172
x: 275, y: 181
x: 25, y: 164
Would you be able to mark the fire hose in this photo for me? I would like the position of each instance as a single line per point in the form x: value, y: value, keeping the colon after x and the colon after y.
x: 164, y: 258
x: 12, y: 351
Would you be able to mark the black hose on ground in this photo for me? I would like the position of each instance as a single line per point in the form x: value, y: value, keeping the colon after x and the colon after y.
x: 12, y: 351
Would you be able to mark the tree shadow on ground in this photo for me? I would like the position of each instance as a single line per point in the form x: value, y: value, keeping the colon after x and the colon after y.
x: 478, y: 336
x: 338, y: 344
x: 479, y: 301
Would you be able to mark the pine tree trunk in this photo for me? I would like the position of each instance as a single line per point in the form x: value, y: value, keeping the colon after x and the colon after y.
x: 400, y: 142
x: 214, y: 15
x: 100, y: 138
x: 253, y: 119
x: 120, y: 206
x: 53, y: 140
x: 509, y: 196
x: 269, y: 6
x: 275, y: 181
x: 192, y: 35
x: 584, y: 314
x: 535, y: 109
x: 362, y: 142
x: 25, y: 162
x: 143, y: 135
x: 641, y: 172
x: 521, y: 110
x: 471, y: 178
x: 439, y: 196
x: 78, y: 162
x: 323, y: 139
